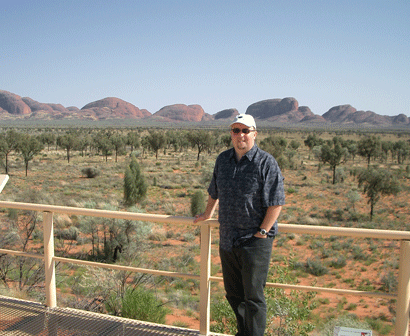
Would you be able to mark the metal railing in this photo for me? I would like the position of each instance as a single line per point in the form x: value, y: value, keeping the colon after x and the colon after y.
x: 402, y: 296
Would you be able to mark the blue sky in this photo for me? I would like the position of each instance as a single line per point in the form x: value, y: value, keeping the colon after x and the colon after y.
x: 218, y: 54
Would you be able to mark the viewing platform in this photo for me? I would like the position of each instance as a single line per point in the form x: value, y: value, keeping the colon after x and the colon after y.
x: 19, y: 317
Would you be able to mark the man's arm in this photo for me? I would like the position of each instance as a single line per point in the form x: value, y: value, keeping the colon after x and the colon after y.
x: 272, y: 214
x: 209, y: 211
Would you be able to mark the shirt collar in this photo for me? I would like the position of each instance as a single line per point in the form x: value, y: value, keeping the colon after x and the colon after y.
x: 250, y: 154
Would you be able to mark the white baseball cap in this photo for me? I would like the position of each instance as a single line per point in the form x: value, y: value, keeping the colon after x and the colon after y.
x: 245, y: 119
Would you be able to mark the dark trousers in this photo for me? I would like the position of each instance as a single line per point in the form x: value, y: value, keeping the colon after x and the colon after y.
x: 245, y: 270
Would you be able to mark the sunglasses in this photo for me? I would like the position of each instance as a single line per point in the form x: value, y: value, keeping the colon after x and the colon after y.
x: 243, y: 130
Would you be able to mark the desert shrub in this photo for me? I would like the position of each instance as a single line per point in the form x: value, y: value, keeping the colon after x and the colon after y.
x: 291, y: 190
x: 340, y: 175
x: 288, y: 313
x: 157, y: 236
x: 90, y: 172
x: 188, y: 237
x: 353, y: 197
x: 358, y: 253
x: 180, y: 324
x: 339, y: 214
x: 292, y: 312
x: 141, y: 304
x: 283, y: 162
x: 68, y: 234
x: 339, y: 262
x: 315, y: 267
x: 365, y: 285
x: 316, y: 244
x: 135, y: 187
x: 12, y: 214
x: 222, y: 318
x: 170, y: 234
x: 389, y: 282
x: 291, y: 236
x: 379, y: 326
x: 169, y: 208
x: 206, y: 174
x: 281, y: 241
x: 180, y: 295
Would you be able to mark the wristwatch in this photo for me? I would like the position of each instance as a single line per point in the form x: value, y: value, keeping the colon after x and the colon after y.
x: 263, y: 232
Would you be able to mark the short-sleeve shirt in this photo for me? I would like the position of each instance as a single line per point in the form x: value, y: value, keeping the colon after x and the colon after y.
x: 245, y: 190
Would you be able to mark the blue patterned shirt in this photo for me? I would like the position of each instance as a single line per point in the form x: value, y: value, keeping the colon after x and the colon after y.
x: 245, y: 190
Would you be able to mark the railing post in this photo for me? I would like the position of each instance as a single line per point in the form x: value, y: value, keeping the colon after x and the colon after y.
x: 49, y: 264
x: 204, y: 283
x: 403, y: 293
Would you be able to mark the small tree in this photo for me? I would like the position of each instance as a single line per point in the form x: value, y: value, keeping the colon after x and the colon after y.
x: 294, y: 144
x: 402, y: 150
x: 369, y: 148
x: 201, y: 139
x: 118, y: 143
x: 48, y: 138
x: 377, y: 182
x: 135, y: 187
x: 102, y: 140
x: 312, y: 141
x: 68, y: 142
x: 156, y: 140
x: 133, y: 139
x: 353, y: 196
x: 274, y: 145
x: 29, y: 146
x: 8, y: 143
x: 226, y: 140
x: 25, y: 274
x: 334, y: 154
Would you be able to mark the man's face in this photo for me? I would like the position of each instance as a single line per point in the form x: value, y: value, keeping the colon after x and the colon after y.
x: 242, y: 142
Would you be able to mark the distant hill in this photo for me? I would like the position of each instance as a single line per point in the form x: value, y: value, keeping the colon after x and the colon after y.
x: 276, y: 111
x: 226, y: 114
x: 112, y: 108
x: 284, y: 110
x: 348, y: 114
x: 181, y: 112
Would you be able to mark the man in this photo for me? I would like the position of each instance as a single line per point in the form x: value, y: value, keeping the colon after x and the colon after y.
x: 248, y: 185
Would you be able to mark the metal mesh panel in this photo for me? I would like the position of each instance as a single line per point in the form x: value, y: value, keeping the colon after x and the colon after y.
x: 18, y: 317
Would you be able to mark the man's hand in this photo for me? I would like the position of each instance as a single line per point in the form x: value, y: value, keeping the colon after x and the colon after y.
x: 200, y: 218
x: 209, y: 211
x: 258, y: 235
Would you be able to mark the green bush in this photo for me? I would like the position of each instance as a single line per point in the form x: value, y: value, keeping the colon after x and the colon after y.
x: 340, y: 262
x: 143, y: 305
x: 222, y: 318
x: 197, y: 203
x: 90, y: 172
x: 315, y: 267
x: 389, y: 282
x: 188, y: 237
x: 135, y: 187
x: 68, y: 234
x: 291, y: 190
